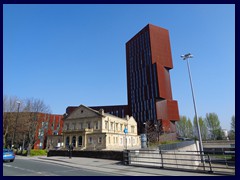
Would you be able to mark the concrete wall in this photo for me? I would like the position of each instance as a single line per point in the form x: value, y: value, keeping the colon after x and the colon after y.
x: 114, y: 155
x: 184, y: 157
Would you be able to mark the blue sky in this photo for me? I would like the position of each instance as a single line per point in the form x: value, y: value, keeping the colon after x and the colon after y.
x: 69, y: 55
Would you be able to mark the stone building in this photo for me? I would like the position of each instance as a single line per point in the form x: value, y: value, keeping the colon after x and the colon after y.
x: 88, y: 129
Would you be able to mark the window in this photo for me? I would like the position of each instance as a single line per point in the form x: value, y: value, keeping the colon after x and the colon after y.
x: 67, y: 126
x: 74, y: 126
x: 80, y: 125
x: 100, y: 140
x: 89, y: 125
x: 106, y: 125
x: 40, y: 132
x: 67, y: 141
x: 81, y: 111
x: 90, y: 140
x: 116, y: 126
x: 109, y: 140
x: 111, y: 125
x: 74, y: 141
x: 79, y: 141
x: 132, y: 129
x: 121, y: 127
x: 96, y: 125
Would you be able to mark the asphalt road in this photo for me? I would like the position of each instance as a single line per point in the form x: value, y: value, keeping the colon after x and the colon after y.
x: 30, y: 167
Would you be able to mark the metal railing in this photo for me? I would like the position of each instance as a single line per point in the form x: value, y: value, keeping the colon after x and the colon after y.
x: 220, y: 163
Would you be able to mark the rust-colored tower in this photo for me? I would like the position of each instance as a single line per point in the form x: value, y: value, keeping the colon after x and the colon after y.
x: 149, y: 59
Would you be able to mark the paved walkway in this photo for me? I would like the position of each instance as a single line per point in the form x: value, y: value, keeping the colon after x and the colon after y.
x: 111, y: 166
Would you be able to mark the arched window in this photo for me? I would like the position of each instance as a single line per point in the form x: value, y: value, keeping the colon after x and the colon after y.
x: 67, y: 141
x: 74, y: 141
x: 79, y: 141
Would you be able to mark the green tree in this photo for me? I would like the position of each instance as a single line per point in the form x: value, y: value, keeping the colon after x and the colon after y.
x: 203, y: 128
x: 189, y: 129
x: 232, y: 131
x: 185, y: 127
x: 213, y: 125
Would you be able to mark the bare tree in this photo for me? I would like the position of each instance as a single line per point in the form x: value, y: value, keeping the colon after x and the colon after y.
x: 26, y: 128
x: 9, y: 116
x: 152, y: 131
x: 34, y: 107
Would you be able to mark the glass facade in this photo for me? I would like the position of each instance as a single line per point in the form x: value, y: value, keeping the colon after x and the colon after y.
x: 143, y: 78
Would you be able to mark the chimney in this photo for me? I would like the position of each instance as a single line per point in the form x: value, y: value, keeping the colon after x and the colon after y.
x: 101, y: 111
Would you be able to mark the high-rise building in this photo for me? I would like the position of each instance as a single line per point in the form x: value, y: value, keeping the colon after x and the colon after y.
x: 148, y: 60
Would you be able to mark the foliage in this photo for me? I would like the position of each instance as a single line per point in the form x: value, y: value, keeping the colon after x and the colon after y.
x: 203, y: 128
x: 38, y: 152
x: 232, y: 131
x: 181, y: 126
x: 233, y: 124
x: 213, y: 125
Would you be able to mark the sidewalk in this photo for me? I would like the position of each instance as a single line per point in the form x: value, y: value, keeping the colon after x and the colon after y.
x: 111, y: 166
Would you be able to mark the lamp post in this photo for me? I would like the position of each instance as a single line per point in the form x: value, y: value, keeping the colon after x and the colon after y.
x: 146, y: 131
x: 157, y: 128
x: 186, y: 57
x: 15, y: 127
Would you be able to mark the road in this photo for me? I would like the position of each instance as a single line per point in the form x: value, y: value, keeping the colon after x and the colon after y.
x: 82, y: 166
x: 31, y: 167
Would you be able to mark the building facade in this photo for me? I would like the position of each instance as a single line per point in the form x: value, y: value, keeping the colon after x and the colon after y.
x: 48, y: 125
x: 148, y: 62
x: 88, y: 129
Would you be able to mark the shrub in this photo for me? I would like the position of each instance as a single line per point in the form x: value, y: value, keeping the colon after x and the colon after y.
x: 38, y: 152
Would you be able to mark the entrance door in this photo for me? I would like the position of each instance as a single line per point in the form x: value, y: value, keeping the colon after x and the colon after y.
x: 80, y: 141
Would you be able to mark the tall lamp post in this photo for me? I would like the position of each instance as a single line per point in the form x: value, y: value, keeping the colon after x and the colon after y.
x: 146, y: 131
x: 15, y: 127
x: 186, y: 57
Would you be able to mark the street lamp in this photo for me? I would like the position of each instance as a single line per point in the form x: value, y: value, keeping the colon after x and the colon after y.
x: 15, y: 127
x: 186, y: 57
x: 157, y: 128
x: 146, y: 131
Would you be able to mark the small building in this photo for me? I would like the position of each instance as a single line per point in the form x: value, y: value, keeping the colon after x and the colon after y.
x: 88, y: 129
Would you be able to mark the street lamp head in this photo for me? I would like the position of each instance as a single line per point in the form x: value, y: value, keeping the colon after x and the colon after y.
x: 18, y: 102
x: 189, y: 55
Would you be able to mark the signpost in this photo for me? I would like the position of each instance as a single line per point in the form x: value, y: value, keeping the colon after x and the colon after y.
x: 125, y: 131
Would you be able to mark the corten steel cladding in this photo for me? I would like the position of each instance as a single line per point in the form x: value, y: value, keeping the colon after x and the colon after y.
x: 149, y: 59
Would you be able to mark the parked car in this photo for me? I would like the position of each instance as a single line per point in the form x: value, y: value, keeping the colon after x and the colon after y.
x: 8, y: 155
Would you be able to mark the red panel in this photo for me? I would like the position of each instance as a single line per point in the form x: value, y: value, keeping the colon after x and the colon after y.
x: 167, y: 110
x: 160, y: 46
x: 164, y: 84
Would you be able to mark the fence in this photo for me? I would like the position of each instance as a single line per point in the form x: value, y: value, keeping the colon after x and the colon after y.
x: 223, y: 163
